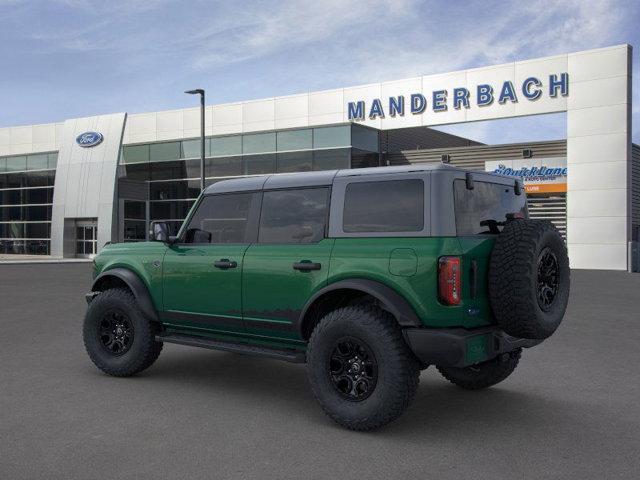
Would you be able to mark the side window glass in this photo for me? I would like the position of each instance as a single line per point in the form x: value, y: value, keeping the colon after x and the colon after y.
x: 294, y: 216
x: 221, y: 219
x: 384, y: 206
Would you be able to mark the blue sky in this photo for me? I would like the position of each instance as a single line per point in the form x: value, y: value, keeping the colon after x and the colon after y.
x: 70, y: 58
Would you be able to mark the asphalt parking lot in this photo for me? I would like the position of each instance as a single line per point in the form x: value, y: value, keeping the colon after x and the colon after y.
x: 571, y: 409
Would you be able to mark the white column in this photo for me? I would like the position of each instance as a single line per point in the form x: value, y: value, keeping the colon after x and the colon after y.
x: 599, y: 158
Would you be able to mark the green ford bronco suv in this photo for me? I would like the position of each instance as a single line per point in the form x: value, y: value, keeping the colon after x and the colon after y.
x: 367, y: 276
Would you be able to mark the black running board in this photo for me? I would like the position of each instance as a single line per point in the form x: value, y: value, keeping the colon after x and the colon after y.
x: 288, y: 355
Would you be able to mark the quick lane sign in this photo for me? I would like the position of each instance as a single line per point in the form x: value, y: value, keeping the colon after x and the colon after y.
x: 547, y: 175
x: 482, y: 95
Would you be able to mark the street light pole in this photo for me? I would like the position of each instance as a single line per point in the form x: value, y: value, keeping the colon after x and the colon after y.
x: 200, y: 92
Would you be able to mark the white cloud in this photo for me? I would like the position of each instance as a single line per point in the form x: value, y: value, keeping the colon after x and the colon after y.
x: 288, y: 25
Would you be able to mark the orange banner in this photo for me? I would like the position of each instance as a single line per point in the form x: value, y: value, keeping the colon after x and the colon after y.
x: 546, y: 188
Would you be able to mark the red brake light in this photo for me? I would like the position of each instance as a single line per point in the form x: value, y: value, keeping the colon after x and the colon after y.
x: 449, y: 280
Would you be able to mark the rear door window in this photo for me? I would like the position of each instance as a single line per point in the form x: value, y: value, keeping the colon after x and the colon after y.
x: 485, y: 208
x: 294, y: 216
x: 384, y: 206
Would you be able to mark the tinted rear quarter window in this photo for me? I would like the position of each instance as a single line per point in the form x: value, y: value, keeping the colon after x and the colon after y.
x: 294, y: 216
x: 384, y: 206
x: 486, y: 202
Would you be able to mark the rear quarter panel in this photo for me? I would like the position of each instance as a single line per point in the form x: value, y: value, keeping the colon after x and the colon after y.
x: 369, y: 258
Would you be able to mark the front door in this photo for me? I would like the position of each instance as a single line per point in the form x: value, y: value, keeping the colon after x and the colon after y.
x: 288, y: 263
x: 86, y: 238
x: 202, y: 271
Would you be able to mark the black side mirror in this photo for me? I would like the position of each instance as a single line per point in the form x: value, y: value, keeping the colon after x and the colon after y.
x: 159, y: 232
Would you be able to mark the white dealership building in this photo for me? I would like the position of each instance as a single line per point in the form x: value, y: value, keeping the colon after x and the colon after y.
x: 68, y: 188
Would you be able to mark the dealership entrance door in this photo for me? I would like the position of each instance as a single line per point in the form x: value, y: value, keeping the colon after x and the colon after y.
x: 86, y: 238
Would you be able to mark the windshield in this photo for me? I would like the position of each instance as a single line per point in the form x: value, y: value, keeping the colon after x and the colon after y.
x: 485, y: 208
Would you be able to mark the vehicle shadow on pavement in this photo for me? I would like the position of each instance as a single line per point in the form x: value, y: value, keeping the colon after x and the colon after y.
x: 439, y: 410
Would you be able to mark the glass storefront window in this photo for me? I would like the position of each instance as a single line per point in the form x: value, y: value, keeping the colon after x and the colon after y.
x: 39, y: 179
x: 172, y: 169
x: 52, y: 160
x: 191, y: 148
x: 173, y: 210
x: 16, y: 164
x: 37, y: 230
x: 223, y: 146
x: 135, y: 153
x: 134, y: 209
x: 363, y: 159
x: 26, y: 196
x: 223, y: 167
x: 327, y: 137
x: 135, y: 231
x: 295, y: 162
x: 295, y: 140
x: 25, y: 212
x: 259, y: 164
x: 22, y: 163
x: 137, y: 171
x: 161, y: 152
x: 12, y: 230
x: 175, y: 170
x: 259, y: 143
x: 38, y: 162
x: 29, y: 247
x: 364, y: 138
x: 175, y: 190
x: 332, y: 159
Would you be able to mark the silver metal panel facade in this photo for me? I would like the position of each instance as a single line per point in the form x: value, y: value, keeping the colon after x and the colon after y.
x: 86, y: 178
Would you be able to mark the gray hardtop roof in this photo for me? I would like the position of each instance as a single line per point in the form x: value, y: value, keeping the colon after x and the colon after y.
x: 321, y: 178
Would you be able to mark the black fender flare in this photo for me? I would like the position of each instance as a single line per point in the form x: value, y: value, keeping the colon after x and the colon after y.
x: 390, y: 300
x: 137, y: 287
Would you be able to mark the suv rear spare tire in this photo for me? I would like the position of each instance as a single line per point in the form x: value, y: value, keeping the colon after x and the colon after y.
x: 529, y: 278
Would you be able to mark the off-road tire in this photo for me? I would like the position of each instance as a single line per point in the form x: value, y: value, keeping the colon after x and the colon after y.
x: 144, y: 349
x: 398, y: 370
x: 484, y: 374
x: 515, y: 269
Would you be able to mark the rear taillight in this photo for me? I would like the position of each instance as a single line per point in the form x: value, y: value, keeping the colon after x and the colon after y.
x: 449, y: 280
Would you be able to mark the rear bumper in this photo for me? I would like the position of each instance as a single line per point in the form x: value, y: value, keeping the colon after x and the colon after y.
x: 459, y: 347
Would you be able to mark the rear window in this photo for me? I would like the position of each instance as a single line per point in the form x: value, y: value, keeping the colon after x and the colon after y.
x: 484, y: 209
x: 389, y: 206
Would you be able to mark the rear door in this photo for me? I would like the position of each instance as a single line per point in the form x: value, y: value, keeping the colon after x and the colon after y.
x: 202, y: 271
x: 288, y: 263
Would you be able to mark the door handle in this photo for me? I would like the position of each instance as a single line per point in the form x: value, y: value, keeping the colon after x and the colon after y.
x: 306, y: 265
x: 225, y: 263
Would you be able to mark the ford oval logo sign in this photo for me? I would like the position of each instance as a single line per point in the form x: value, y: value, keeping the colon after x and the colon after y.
x: 89, y: 139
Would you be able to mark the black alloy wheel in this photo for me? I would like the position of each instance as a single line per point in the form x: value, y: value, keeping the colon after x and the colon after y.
x: 119, y: 338
x: 361, y: 370
x: 547, y: 278
x: 116, y: 332
x: 353, y: 369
